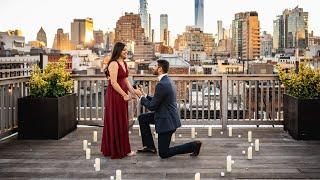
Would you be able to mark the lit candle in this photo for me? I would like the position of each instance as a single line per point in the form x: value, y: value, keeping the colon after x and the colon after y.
x: 243, y: 152
x: 111, y: 177
x: 257, y: 145
x: 180, y: 136
x: 173, y: 138
x: 85, y: 144
x: 229, y: 163
x: 221, y: 132
x: 239, y: 136
x: 95, y: 136
x: 88, y: 151
x: 230, y: 131
x: 222, y: 174
x: 197, y: 176
x: 210, y: 131
x: 249, y: 136
x: 250, y: 152
x: 193, y: 134
x: 97, y: 164
x: 118, y: 174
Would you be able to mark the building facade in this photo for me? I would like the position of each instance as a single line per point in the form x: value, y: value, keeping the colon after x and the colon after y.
x: 42, y: 36
x: 164, y: 28
x: 82, y: 32
x: 266, y: 44
x: 62, y: 41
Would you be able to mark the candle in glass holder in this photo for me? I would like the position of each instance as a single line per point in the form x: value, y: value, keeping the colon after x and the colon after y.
x: 197, y: 176
x: 250, y: 152
x: 85, y: 144
x: 88, y: 152
x: 210, y: 131
x: 118, y: 174
x: 95, y: 136
x: 229, y: 163
x: 230, y: 131
x: 193, y: 133
x: 249, y: 136
x: 173, y: 137
x: 257, y: 145
x: 97, y: 164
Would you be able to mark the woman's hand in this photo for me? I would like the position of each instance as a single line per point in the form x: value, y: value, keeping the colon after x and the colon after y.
x: 126, y: 97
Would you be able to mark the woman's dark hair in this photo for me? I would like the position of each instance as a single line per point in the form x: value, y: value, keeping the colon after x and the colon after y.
x: 116, y: 52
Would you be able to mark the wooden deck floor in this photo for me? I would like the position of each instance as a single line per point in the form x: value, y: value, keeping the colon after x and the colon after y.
x: 280, y: 157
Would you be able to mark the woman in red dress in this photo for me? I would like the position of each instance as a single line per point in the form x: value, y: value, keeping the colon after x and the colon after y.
x: 115, y: 136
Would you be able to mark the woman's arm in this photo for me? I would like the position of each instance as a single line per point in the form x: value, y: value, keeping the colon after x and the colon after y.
x: 131, y: 89
x: 113, y: 71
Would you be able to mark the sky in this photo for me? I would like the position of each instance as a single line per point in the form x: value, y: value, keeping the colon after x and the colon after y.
x: 30, y: 15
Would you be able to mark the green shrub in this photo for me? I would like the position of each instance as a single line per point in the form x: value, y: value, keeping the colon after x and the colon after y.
x: 305, y: 84
x: 54, y: 81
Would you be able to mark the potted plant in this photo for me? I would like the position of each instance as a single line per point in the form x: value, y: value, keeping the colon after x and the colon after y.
x: 49, y: 112
x: 301, y: 102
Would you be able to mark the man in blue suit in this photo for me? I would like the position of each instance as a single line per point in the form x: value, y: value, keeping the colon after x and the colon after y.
x: 164, y: 114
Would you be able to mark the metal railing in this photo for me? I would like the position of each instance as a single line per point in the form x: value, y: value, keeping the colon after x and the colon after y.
x: 10, y: 90
x: 202, y: 99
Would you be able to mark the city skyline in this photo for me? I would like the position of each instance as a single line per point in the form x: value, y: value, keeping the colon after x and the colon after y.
x: 105, y: 14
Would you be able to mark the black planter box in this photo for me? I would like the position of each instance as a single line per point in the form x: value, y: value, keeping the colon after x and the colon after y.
x: 302, y: 117
x: 46, y: 118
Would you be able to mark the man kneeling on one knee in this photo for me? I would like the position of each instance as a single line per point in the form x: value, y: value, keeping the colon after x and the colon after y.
x: 164, y: 115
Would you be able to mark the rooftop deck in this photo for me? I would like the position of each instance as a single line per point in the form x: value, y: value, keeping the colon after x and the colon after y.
x: 280, y: 157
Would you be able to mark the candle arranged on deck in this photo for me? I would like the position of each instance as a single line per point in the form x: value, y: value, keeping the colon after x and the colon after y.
x: 197, y: 176
x: 85, y: 144
x: 249, y: 136
x: 173, y: 137
x: 97, y: 164
x: 257, y: 145
x: 118, y: 174
x: 230, y: 131
x: 95, y: 136
x: 88, y: 152
x: 229, y: 163
x: 210, y: 131
x: 250, y: 152
x: 193, y: 133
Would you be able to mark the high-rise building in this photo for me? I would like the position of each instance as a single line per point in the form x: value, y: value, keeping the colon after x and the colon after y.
x: 220, y: 30
x: 62, y: 41
x: 41, y: 36
x: 81, y: 31
x: 196, y: 44
x: 291, y: 30
x: 143, y: 12
x: 266, y: 44
x: 246, y: 35
x: 199, y: 14
x: 99, y: 39
x: 109, y: 40
x: 13, y: 40
x: 128, y: 29
x: 163, y: 28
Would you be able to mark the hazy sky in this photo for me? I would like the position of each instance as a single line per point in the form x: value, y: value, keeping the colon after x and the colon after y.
x: 30, y: 15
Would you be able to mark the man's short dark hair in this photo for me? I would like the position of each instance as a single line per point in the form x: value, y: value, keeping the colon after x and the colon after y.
x: 164, y: 64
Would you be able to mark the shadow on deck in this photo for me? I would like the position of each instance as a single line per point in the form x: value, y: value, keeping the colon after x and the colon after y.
x: 280, y: 157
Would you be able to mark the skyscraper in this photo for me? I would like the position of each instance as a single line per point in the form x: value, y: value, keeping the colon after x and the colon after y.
x: 41, y: 36
x: 220, y: 30
x: 143, y: 12
x: 81, y: 31
x: 163, y: 27
x: 246, y: 35
x: 291, y: 29
x: 62, y: 41
x: 266, y: 44
x: 198, y: 12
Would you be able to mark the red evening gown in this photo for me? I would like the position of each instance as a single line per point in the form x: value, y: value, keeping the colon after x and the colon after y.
x: 115, y: 137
